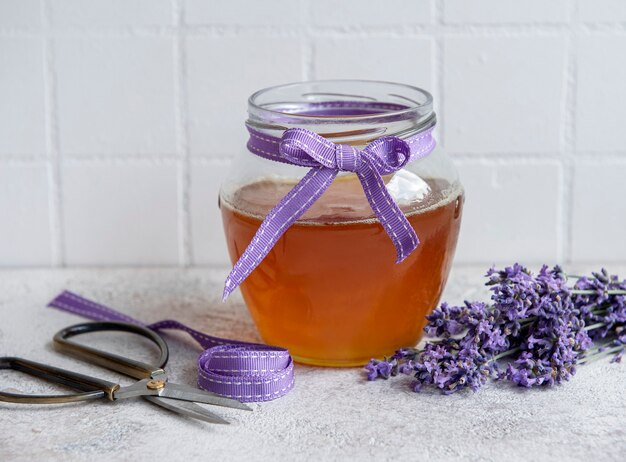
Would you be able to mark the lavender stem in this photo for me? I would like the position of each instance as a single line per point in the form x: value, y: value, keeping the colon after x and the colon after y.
x: 595, y: 326
x: 596, y: 356
x: 507, y: 353
x: 593, y: 292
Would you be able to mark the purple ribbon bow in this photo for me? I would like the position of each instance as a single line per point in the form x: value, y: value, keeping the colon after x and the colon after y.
x: 248, y: 372
x: 326, y: 159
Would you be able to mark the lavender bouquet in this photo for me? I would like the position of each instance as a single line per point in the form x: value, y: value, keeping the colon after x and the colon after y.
x: 536, y: 331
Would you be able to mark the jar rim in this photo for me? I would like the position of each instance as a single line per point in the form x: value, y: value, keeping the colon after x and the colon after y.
x: 280, y: 103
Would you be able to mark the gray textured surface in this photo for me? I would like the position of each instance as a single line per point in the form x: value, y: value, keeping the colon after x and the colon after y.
x: 330, y: 415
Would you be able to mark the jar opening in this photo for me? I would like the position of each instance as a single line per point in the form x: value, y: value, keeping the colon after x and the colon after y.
x: 340, y: 108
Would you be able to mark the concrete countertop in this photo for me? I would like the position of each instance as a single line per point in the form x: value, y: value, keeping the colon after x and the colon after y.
x: 332, y: 414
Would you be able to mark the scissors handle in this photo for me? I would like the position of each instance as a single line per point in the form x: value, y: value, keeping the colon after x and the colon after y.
x: 126, y: 366
x: 94, y: 388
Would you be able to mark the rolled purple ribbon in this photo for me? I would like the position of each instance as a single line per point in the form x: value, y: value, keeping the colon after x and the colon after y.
x: 326, y: 159
x: 248, y: 372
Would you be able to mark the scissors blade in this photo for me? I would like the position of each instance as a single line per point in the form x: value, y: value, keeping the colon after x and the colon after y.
x: 15, y: 391
x: 185, y: 393
x: 187, y: 409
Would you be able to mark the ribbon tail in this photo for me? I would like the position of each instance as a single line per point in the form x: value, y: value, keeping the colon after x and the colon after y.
x: 73, y: 303
x: 387, y: 211
x: 281, y: 217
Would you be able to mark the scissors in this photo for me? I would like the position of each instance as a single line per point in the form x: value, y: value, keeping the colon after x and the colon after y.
x: 152, y: 385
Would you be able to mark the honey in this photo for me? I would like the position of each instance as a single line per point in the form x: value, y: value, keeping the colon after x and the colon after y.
x: 330, y: 290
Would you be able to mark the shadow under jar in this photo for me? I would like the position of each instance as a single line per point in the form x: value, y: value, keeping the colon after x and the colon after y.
x: 330, y: 289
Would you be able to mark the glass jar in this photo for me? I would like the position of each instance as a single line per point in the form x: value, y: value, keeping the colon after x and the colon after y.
x: 330, y: 289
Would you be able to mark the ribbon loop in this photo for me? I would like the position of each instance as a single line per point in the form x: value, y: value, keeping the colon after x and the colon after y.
x: 390, y: 153
x: 305, y: 148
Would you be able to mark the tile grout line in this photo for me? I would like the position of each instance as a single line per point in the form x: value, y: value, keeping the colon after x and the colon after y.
x: 391, y: 30
x: 120, y: 158
x: 308, y: 47
x: 568, y: 140
x: 54, y: 158
x: 591, y: 156
x: 438, y: 71
x: 185, y: 245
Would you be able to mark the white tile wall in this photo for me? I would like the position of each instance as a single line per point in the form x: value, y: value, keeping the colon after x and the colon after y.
x: 599, y: 211
x: 109, y: 111
x: 111, y: 13
x: 508, y: 213
x: 22, y: 102
x: 511, y: 86
x: 115, y: 95
x: 499, y: 12
x: 206, y: 223
x: 218, y: 86
x: 25, y: 235
x: 602, y: 10
x: 350, y: 58
x: 20, y: 13
x: 371, y: 13
x: 242, y: 13
x: 122, y: 213
x: 601, y: 104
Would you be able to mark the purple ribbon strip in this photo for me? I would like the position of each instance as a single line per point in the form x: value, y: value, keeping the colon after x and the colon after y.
x: 248, y: 372
x: 326, y: 159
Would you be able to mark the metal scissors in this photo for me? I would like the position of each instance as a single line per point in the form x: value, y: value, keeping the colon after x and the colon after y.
x: 152, y: 385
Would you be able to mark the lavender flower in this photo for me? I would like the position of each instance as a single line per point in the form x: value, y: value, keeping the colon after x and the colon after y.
x: 553, y: 335
x: 453, y: 364
x: 602, y: 303
x: 514, y: 291
x: 398, y: 363
x: 447, y: 321
x: 528, y: 371
x: 449, y: 367
x: 383, y: 369
x: 537, y: 325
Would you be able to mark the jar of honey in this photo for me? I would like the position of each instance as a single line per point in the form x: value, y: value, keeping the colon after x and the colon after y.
x: 330, y: 288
